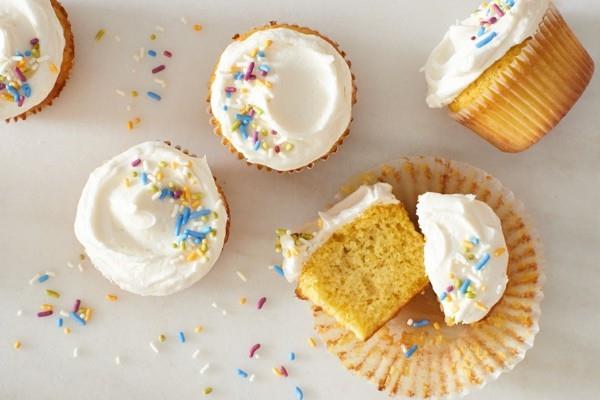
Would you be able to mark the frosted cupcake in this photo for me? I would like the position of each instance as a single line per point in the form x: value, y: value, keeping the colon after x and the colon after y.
x: 152, y: 219
x: 36, y: 56
x: 509, y: 72
x: 281, y: 97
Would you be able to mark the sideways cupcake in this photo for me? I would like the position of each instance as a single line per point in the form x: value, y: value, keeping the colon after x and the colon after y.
x: 36, y: 56
x: 281, y: 97
x: 153, y: 220
x: 363, y: 263
x: 510, y: 72
x: 465, y: 254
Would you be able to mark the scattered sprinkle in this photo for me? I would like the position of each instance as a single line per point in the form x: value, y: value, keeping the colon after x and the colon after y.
x: 111, y: 297
x: 59, y: 322
x: 199, y: 329
x: 17, y: 345
x: 253, y: 350
x: 67, y: 331
x: 181, y: 337
x: 118, y: 360
x: 158, y: 69
x: 76, y: 305
x: 154, y: 96
x: 242, y: 373
x: 243, y: 300
x: 261, y: 303
x: 420, y: 323
x: 204, y: 368
x: 241, y: 276
x: 162, y: 338
x: 292, y: 356
x: 46, y: 313
x: 279, y: 270
x: 481, y: 264
x: 207, y: 390
x: 153, y: 347
x: 99, y: 35
x: 43, y: 278
x: 411, y: 350
x: 312, y: 342
x: 299, y: 393
x: 76, y: 317
x: 197, y: 27
x: 52, y: 293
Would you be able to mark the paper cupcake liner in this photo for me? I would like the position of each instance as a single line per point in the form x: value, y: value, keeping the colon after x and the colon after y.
x: 535, y: 91
x: 450, y: 361
x: 217, y: 126
x: 219, y: 188
x: 65, y: 67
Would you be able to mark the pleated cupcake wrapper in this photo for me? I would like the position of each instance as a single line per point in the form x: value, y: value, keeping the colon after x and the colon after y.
x: 65, y: 68
x: 219, y: 188
x: 449, y: 362
x: 536, y: 90
x: 217, y: 125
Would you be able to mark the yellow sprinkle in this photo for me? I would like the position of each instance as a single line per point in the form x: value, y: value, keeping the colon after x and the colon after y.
x: 130, y: 125
x: 159, y: 176
x: 207, y: 391
x: 436, y: 326
x: 244, y: 90
x: 111, y: 297
x: 312, y: 342
x: 88, y: 314
x: 126, y: 182
x: 134, y: 93
x: 197, y: 27
x: 253, y: 53
x: 100, y: 35
x: 242, y: 300
x: 480, y: 305
x: 192, y: 256
x: 47, y: 307
x: 199, y: 329
x: 17, y: 345
x: 53, y: 68
x: 265, y: 83
x: 153, y: 37
x: 288, y: 147
x: 82, y: 256
x: 52, y: 293
x: 499, y: 251
x: 267, y: 44
x: 162, y: 338
x: 277, y: 372
x: 67, y: 331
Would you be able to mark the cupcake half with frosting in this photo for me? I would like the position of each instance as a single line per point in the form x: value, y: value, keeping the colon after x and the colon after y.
x: 510, y: 71
x: 153, y: 219
x: 36, y: 56
x: 281, y: 97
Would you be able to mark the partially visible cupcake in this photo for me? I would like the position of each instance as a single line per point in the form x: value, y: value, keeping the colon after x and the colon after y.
x: 281, y: 97
x: 152, y: 219
x: 510, y: 72
x: 36, y: 56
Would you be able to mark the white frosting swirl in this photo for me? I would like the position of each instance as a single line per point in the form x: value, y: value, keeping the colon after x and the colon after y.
x: 22, y: 21
x: 297, y: 249
x: 465, y: 254
x: 473, y: 45
x: 298, y: 91
x: 129, y: 214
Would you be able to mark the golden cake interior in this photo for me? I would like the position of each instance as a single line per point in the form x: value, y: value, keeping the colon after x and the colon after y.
x: 367, y: 270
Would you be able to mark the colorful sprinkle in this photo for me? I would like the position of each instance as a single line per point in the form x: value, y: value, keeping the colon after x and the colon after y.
x: 154, y: 96
x: 481, y: 264
x: 111, y: 297
x: 99, y: 35
x: 420, y: 323
x: 152, y: 53
x: 52, y: 293
x: 181, y: 337
x: 242, y: 373
x: 197, y: 27
x: 486, y: 40
x: 153, y: 347
x: 158, y: 69
x: 46, y: 313
x: 279, y: 270
x: 76, y: 306
x: 77, y: 318
x: 207, y: 390
x: 312, y: 342
x: 43, y: 278
x: 253, y: 350
x: 167, y: 54
x: 261, y: 303
x: 59, y: 322
x: 299, y: 394
x: 17, y: 345
x: 411, y: 350
x: 292, y: 356
x: 465, y: 286
x: 499, y: 251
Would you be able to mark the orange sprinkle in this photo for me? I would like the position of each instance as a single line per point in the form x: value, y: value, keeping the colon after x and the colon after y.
x: 17, y: 345
x: 111, y: 297
x: 499, y: 251
x: 53, y: 68
x: 243, y: 300
x: 199, y: 329
x: 192, y: 256
x: 130, y: 125
x: 197, y: 27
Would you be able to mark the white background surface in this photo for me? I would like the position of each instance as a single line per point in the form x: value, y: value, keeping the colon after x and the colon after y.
x: 44, y: 163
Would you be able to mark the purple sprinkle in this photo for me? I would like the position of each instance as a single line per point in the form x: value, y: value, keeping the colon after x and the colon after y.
x: 21, y: 101
x: 261, y: 303
x: 167, y: 53
x: 46, y: 313
x: 34, y: 41
x: 255, y: 136
x: 249, y: 75
x: 135, y: 163
x: 20, y: 74
x: 230, y: 89
x: 158, y: 69
x: 273, y: 132
x: 2, y: 86
x: 449, y: 289
x: 76, y: 305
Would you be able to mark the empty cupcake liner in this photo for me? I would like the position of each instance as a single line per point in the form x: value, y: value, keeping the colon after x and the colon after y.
x: 217, y: 126
x: 447, y: 362
x: 535, y: 91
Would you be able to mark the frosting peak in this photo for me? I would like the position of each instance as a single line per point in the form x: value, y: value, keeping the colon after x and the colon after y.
x: 471, y: 46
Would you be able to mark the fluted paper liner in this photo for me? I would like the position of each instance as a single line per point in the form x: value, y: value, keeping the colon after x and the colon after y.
x: 217, y: 125
x: 450, y: 361
x: 65, y: 68
x: 535, y: 91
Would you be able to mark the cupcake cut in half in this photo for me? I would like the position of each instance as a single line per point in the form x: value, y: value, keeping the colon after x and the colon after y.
x: 36, y: 56
x: 363, y: 263
x: 281, y: 97
x: 152, y: 219
x: 510, y: 71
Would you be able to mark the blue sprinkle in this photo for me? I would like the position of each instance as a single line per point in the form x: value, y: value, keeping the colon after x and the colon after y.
x: 228, y: 95
x: 487, y: 39
x: 164, y: 193
x: 13, y: 92
x: 28, y: 53
x: 77, y: 318
x: 278, y: 269
x: 225, y: 108
x: 242, y: 373
x: 465, y: 286
x: 243, y: 118
x: 151, y: 53
x: 43, y: 278
x: 510, y: 3
x: 195, y: 234
x: 26, y: 90
x: 261, y: 53
x: 264, y: 68
x: 144, y: 178
x: 154, y: 96
x: 239, y: 76
x: 411, y: 351
x: 200, y: 213
x: 181, y: 337
x: 59, y: 322
x: 481, y: 31
x: 443, y: 296
x: 178, y: 224
x: 420, y: 324
x: 257, y: 145
x: 206, y: 230
x: 299, y: 394
x: 292, y: 356
x: 244, y: 131
x: 186, y: 215
x: 482, y: 262
x: 474, y: 240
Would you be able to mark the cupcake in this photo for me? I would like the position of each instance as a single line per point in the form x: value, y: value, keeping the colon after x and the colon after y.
x: 36, y: 56
x: 480, y: 314
x: 509, y: 72
x: 281, y: 97
x: 363, y: 264
x: 153, y: 220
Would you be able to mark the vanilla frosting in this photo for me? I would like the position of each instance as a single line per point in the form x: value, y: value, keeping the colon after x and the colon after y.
x: 473, y: 45
x: 32, y: 43
x: 466, y: 258
x: 282, y: 98
x: 152, y: 219
x: 296, y: 248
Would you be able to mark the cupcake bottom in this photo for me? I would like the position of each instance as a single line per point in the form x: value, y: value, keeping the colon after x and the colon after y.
x: 449, y: 362
x: 65, y: 68
x: 534, y: 86
x: 217, y: 126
